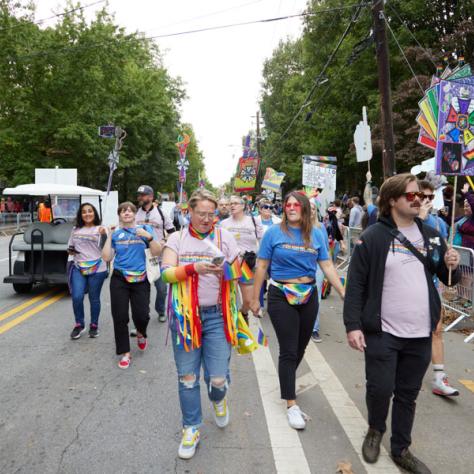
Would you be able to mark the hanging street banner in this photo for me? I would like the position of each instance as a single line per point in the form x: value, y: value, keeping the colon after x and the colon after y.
x: 272, y: 180
x: 246, y: 176
x: 319, y: 171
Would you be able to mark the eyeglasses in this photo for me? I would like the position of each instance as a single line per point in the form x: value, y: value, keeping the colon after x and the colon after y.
x: 203, y: 215
x: 429, y: 196
x: 235, y: 203
x: 292, y: 205
x: 412, y: 195
x: 266, y: 206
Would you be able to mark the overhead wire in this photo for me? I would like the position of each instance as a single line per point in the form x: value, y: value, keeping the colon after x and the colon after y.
x: 77, y: 48
x: 403, y: 54
x: 57, y: 15
x: 317, y: 81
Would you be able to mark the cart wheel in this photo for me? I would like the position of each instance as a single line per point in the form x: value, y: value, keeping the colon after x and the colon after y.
x: 22, y: 288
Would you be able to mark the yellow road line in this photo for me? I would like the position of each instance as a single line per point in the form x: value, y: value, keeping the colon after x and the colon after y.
x: 31, y: 312
x: 469, y: 384
x: 25, y: 305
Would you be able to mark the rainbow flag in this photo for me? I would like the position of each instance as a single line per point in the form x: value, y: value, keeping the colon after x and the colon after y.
x: 262, y: 339
x: 246, y: 339
x: 247, y: 273
x: 232, y: 271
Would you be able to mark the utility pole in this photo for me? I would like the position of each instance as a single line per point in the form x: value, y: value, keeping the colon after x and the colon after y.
x: 383, y: 66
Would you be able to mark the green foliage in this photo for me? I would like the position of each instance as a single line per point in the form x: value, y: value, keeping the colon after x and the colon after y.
x: 353, y: 82
x: 58, y: 84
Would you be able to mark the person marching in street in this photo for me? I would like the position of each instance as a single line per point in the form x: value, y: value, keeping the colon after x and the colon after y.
x: 223, y: 209
x: 152, y: 215
x: 88, y: 271
x: 128, y: 284
x: 440, y: 384
x: 391, y: 309
x: 203, y: 315
x: 291, y: 252
x: 248, y: 233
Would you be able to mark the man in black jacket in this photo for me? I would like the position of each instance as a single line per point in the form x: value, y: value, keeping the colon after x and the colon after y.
x: 390, y: 310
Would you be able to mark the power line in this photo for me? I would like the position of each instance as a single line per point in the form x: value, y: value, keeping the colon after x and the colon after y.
x: 403, y: 54
x: 39, y: 22
x: 318, y: 81
x: 412, y: 34
x: 75, y: 49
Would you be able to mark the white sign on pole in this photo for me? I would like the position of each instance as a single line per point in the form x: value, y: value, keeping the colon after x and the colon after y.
x: 319, y: 171
x: 363, y: 139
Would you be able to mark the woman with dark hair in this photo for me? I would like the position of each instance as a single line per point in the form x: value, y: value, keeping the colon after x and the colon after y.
x: 291, y: 253
x: 129, y: 284
x: 88, y: 271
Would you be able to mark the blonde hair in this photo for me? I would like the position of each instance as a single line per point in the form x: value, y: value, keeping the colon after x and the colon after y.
x: 201, y: 195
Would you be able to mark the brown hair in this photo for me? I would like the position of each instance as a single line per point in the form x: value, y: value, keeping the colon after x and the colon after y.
x: 306, y: 221
x: 201, y: 195
x: 393, y: 188
x: 355, y: 200
x: 126, y: 205
x: 424, y: 184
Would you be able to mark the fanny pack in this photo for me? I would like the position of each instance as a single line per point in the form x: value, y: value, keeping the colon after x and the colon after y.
x: 250, y: 258
x: 133, y: 277
x: 89, y: 267
x: 295, y: 293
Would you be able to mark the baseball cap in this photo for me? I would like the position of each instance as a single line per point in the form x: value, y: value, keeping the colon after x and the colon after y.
x: 144, y: 189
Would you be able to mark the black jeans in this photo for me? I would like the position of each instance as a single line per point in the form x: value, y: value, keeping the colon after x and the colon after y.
x: 293, y: 326
x: 122, y: 294
x: 395, y: 366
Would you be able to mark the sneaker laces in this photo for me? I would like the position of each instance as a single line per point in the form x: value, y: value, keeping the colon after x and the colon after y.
x: 220, y: 407
x: 446, y: 381
x: 188, y: 435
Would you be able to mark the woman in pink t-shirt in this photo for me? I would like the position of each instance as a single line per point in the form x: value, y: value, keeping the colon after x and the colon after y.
x: 89, y: 271
x: 248, y: 233
x: 197, y: 263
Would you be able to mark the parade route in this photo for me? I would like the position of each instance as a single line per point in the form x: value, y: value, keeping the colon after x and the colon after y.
x: 67, y: 408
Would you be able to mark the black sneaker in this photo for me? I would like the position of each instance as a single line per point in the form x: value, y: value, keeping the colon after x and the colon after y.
x: 93, y: 331
x: 371, y: 446
x: 77, y: 331
x: 316, y: 337
x: 410, y: 463
x: 162, y: 318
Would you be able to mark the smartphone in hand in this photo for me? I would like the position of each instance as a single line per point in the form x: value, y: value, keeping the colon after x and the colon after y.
x: 218, y: 261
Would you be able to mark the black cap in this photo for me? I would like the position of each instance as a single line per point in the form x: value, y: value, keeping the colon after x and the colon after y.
x: 144, y: 189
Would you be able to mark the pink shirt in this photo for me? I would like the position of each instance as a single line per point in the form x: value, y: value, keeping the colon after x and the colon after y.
x: 154, y: 219
x: 85, y: 241
x: 246, y: 233
x: 405, y: 297
x: 191, y: 250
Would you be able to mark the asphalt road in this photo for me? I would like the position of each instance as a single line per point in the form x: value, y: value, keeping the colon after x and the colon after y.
x: 67, y: 408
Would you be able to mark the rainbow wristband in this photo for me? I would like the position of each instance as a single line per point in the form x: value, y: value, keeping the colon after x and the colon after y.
x: 175, y: 274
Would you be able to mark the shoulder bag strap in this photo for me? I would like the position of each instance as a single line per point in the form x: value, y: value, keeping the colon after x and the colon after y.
x: 408, y: 245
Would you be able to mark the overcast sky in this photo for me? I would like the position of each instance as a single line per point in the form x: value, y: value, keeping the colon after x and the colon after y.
x: 222, y: 70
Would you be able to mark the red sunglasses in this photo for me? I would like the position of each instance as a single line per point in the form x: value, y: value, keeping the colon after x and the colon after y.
x: 411, y: 196
x: 291, y: 205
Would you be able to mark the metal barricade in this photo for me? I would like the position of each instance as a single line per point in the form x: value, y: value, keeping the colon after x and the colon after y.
x: 352, y: 235
x: 13, y: 220
x: 461, y: 299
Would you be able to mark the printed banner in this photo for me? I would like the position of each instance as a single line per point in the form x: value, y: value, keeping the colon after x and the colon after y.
x: 246, y: 176
x: 455, y: 143
x: 272, y: 180
x: 319, y: 171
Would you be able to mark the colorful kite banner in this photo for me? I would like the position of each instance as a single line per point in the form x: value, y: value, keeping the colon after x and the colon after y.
x: 272, y: 180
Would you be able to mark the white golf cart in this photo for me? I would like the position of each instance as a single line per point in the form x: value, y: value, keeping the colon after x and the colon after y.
x: 41, y: 253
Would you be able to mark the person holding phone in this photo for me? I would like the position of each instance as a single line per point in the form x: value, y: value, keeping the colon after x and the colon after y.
x: 88, y: 271
x: 203, y: 313
x: 129, y: 284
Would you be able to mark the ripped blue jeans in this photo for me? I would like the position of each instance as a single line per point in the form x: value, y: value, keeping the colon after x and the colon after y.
x: 214, y: 356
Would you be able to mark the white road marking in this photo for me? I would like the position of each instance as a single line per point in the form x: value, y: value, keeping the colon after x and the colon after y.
x: 287, y: 450
x: 348, y: 415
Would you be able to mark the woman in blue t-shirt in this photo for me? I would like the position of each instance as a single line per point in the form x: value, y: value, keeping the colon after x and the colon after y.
x: 129, y: 284
x: 290, y: 252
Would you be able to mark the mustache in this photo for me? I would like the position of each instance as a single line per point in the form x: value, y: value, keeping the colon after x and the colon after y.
x: 415, y: 205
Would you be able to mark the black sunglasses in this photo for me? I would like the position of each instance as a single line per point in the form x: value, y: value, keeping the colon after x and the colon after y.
x: 266, y: 206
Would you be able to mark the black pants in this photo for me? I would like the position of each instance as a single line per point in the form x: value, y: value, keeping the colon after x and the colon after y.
x: 395, y: 366
x: 122, y: 294
x: 293, y: 326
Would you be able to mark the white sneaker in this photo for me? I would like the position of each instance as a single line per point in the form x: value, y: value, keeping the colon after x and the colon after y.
x: 440, y: 386
x: 296, y: 418
x: 189, y: 443
x: 221, y: 413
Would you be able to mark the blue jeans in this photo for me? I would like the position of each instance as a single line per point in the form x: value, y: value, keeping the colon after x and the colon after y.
x: 79, y: 285
x: 161, y: 288
x: 319, y: 284
x: 214, y: 356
